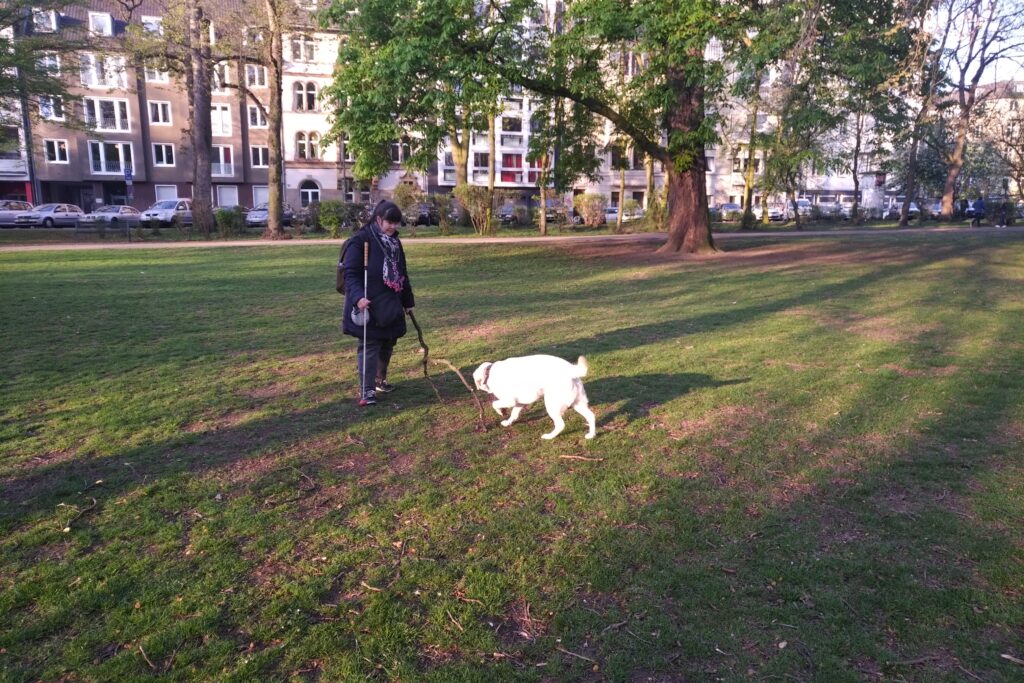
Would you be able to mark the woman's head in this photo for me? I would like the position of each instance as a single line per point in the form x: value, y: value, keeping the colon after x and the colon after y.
x: 387, y: 217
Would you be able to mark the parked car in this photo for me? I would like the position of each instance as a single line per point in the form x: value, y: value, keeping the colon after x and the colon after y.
x: 775, y: 212
x: 116, y: 217
x: 611, y: 214
x: 829, y: 209
x: 507, y: 215
x: 422, y: 213
x: 730, y: 211
x: 896, y: 207
x: 166, y: 210
x: 9, y: 210
x: 50, y: 216
x: 258, y: 215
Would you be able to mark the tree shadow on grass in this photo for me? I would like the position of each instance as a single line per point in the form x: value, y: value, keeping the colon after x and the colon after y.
x: 635, y: 395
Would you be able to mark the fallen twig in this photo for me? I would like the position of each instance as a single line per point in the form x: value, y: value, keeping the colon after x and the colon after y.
x: 580, y: 457
x: 573, y: 654
x: 969, y: 673
x: 372, y: 588
x: 919, y: 660
x: 455, y: 621
x: 151, y: 665
x: 67, y: 526
x: 611, y: 626
x: 1013, y: 659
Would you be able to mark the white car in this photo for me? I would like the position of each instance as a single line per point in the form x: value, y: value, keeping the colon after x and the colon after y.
x: 165, y: 211
x: 50, y: 216
x: 9, y: 210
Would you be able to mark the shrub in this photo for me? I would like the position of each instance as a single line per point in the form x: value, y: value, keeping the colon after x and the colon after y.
x: 590, y: 207
x: 444, y: 205
x: 230, y: 222
x: 476, y: 202
x: 332, y: 215
x: 153, y: 225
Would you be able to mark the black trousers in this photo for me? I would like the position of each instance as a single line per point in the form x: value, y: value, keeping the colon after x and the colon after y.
x: 378, y: 357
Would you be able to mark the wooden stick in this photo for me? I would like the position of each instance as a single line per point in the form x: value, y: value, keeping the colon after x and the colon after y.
x: 573, y: 654
x: 1013, y: 659
x: 369, y: 587
x: 67, y: 527
x: 455, y: 621
x: 580, y: 457
x: 151, y: 666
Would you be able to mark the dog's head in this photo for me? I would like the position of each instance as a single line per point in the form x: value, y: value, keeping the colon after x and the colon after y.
x: 480, y: 376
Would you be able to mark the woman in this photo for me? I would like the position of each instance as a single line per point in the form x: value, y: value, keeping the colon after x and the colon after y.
x: 387, y: 297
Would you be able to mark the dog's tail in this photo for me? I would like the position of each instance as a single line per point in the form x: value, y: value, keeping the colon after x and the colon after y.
x: 582, y: 367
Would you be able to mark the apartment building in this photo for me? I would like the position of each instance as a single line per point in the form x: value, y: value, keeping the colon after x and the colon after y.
x: 133, y: 147
x: 15, y: 177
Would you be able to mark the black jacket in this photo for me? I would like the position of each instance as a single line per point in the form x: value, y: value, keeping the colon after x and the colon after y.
x: 376, y: 290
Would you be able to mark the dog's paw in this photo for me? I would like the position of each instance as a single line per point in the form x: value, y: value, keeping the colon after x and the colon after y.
x: 590, y: 435
x: 548, y: 436
x: 506, y: 423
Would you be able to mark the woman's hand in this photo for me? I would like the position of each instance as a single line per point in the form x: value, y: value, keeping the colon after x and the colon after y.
x: 363, y: 304
x: 409, y: 310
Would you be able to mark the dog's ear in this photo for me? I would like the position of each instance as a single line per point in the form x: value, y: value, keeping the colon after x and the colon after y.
x: 480, y: 376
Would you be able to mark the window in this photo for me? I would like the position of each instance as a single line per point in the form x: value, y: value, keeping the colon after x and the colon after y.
x: 255, y: 76
x: 309, y: 193
x: 220, y: 119
x: 103, y: 114
x: 512, y: 124
x: 221, y: 77
x: 227, y: 195
x: 396, y: 153
x: 346, y: 149
x: 709, y: 163
x: 160, y: 113
x: 49, y: 63
x: 109, y: 157
x: 303, y: 48
x: 155, y: 75
x: 10, y: 143
x: 101, y: 24
x: 257, y: 119
x: 260, y: 195
x: 305, y: 96
x: 51, y: 108
x: 56, y: 151
x: 356, y: 190
x: 44, y: 20
x: 163, y: 154
x: 102, y: 72
x: 221, y: 161
x: 307, y: 145
x: 153, y: 24
x: 449, y: 160
x: 166, y: 192
x: 260, y: 156
x: 481, y: 160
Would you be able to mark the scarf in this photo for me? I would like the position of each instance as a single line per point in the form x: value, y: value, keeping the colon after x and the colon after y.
x: 391, y: 275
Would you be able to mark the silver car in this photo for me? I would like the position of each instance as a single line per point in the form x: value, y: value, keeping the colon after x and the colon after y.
x: 258, y: 215
x: 9, y: 210
x: 50, y: 216
x: 166, y: 210
x: 115, y: 217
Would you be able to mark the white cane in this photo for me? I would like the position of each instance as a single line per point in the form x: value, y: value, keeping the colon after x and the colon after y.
x: 366, y: 323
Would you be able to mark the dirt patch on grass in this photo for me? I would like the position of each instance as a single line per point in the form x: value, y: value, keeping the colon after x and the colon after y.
x: 944, y: 371
x: 728, y: 423
x: 877, y: 328
x: 215, y: 423
x: 517, y: 624
x: 269, y: 391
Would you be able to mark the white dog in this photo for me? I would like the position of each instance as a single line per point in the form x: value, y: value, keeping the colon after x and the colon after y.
x: 518, y: 382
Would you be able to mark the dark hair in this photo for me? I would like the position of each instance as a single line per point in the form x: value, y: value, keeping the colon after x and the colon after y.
x: 389, y: 211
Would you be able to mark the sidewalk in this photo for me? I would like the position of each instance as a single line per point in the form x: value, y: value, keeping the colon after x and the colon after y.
x: 640, y: 238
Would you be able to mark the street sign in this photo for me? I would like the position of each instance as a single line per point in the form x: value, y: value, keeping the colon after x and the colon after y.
x: 128, y: 175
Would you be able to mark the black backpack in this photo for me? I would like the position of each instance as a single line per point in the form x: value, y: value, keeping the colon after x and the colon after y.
x: 339, y: 282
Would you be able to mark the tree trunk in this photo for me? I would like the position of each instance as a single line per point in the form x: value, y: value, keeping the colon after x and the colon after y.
x: 622, y: 200
x: 649, y: 189
x: 491, y: 152
x: 460, y: 154
x: 202, y: 133
x: 275, y: 73
x: 857, y: 139
x: 542, y: 190
x: 748, y: 176
x: 686, y: 192
x: 954, y: 164
x: 688, y: 229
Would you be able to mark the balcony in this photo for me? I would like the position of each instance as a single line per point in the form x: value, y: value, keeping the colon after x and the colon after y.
x: 448, y: 175
x: 508, y: 140
x: 222, y: 169
x: 479, y: 175
x: 512, y: 175
x: 13, y: 168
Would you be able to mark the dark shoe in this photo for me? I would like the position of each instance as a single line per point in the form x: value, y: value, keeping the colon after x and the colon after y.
x: 384, y: 386
x: 369, y: 398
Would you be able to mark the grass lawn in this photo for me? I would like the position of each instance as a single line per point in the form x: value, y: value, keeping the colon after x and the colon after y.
x: 808, y: 467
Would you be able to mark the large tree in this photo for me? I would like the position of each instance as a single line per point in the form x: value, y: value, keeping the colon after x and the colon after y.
x: 984, y: 32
